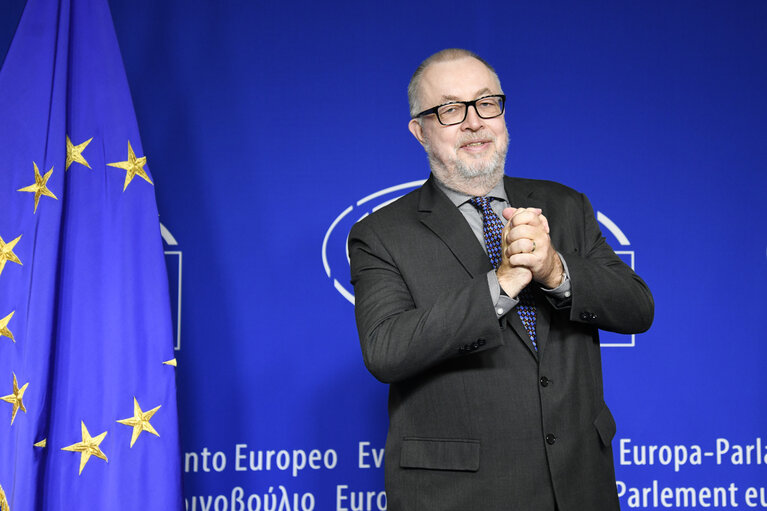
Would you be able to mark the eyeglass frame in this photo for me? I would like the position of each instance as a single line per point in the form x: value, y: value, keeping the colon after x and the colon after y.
x: 473, y: 103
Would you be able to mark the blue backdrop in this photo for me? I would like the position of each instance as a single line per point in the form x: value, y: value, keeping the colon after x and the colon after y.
x: 269, y: 126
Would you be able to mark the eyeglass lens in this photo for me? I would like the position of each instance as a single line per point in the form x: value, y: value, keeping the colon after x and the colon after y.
x: 454, y: 113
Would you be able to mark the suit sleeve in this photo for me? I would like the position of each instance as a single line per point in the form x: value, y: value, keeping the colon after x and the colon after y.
x: 400, y: 340
x: 606, y: 292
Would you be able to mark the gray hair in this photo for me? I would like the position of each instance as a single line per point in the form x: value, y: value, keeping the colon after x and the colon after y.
x: 441, y: 56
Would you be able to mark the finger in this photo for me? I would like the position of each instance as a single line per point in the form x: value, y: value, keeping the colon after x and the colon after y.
x: 527, y: 216
x: 505, y: 237
x: 528, y: 261
x: 522, y: 216
x: 525, y: 231
x: 522, y: 246
x: 536, y: 211
x: 508, y: 213
x: 545, y: 222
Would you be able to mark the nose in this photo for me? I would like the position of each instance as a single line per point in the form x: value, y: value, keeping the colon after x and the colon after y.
x: 473, y: 121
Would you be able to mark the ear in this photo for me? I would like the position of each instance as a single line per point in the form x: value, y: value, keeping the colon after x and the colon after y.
x: 417, y: 130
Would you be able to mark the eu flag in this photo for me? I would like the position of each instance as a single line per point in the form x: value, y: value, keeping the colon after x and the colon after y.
x: 87, y: 386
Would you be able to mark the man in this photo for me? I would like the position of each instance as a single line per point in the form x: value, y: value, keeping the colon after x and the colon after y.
x: 489, y: 340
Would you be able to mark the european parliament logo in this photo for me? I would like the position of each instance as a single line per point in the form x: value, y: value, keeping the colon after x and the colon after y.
x: 627, y: 253
x: 335, y: 251
x: 174, y: 264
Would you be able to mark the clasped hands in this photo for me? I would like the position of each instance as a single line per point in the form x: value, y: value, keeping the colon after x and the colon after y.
x: 527, y: 252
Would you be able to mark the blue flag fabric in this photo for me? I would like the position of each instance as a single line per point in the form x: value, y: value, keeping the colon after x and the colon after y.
x: 88, y: 412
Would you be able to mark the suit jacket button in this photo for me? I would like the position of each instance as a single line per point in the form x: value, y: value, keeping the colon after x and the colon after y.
x: 544, y: 381
x: 475, y: 346
x: 481, y: 341
x: 551, y: 439
x: 592, y: 315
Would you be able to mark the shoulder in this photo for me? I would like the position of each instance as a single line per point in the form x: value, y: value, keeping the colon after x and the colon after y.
x: 394, y: 215
x: 540, y: 186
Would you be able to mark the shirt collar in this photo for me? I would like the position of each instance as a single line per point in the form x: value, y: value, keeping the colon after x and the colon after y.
x: 458, y: 198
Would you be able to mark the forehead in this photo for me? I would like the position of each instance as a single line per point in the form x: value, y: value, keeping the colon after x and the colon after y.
x: 461, y: 79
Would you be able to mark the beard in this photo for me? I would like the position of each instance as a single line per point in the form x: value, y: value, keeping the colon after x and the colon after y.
x: 465, y: 176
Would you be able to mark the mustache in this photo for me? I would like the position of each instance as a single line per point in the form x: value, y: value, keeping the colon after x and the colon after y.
x: 470, y: 138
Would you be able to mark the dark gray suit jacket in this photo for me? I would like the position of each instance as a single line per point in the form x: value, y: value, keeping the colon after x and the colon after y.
x: 478, y: 419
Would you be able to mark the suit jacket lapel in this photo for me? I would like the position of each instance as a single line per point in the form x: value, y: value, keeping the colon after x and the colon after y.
x: 440, y: 215
x: 542, y: 322
x: 514, y: 321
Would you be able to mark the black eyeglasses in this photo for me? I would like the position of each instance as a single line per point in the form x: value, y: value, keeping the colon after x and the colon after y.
x: 455, y: 112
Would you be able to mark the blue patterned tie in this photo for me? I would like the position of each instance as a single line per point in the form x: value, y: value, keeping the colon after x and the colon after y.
x: 492, y: 228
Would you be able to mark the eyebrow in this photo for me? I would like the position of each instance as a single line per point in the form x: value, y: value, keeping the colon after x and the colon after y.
x: 478, y: 94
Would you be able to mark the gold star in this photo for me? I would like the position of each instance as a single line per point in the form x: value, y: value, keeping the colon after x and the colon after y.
x: 16, y: 398
x: 133, y: 167
x: 4, y: 331
x: 140, y: 421
x: 40, y: 187
x: 74, y: 153
x: 6, y: 253
x: 171, y: 362
x: 3, y: 501
x: 88, y: 447
x: 42, y: 443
